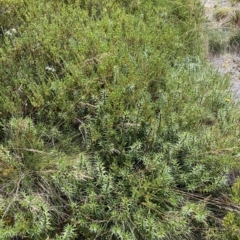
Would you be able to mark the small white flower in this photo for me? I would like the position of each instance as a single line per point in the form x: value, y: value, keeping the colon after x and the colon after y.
x: 50, y: 69
x: 11, y: 32
x: 8, y: 33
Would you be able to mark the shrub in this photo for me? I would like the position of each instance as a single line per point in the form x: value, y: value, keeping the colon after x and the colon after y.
x: 113, y: 126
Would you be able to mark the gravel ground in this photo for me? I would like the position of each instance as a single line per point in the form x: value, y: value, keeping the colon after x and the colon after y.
x: 229, y: 63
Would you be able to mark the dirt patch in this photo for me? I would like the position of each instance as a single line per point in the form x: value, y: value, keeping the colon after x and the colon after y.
x: 229, y: 64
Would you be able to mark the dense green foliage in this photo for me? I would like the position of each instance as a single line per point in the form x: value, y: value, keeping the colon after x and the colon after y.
x: 112, y: 124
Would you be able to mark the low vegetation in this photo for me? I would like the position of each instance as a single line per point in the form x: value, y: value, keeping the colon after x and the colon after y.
x: 235, y: 41
x: 112, y: 124
x: 223, y: 12
x: 223, y: 36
